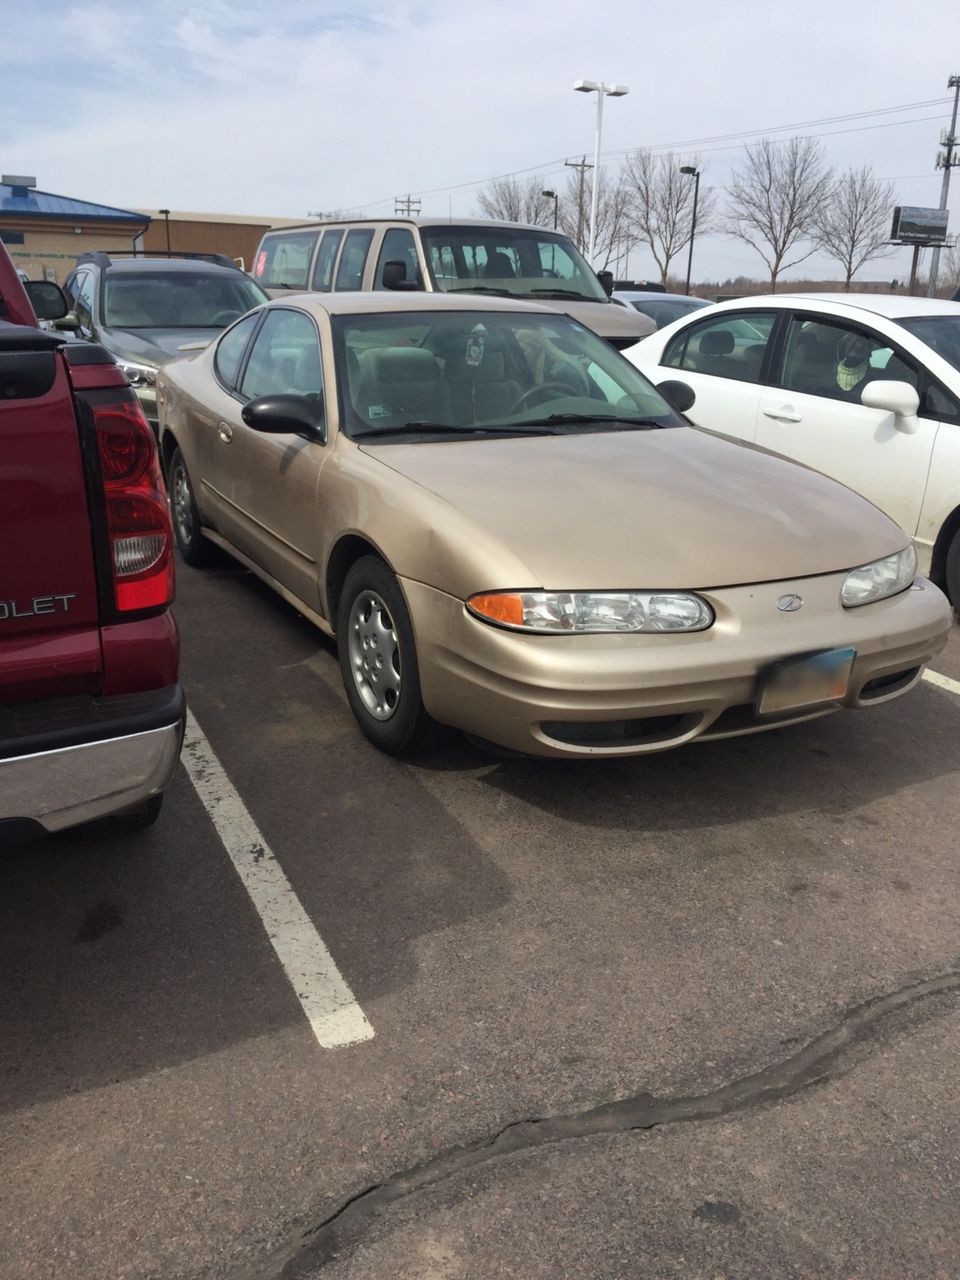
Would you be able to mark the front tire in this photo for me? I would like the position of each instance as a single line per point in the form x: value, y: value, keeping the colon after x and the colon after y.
x: 185, y: 514
x: 953, y: 572
x: 378, y: 662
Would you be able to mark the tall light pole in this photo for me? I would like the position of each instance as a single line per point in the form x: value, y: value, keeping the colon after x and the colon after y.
x: 166, y: 223
x: 602, y: 91
x: 948, y: 161
x: 552, y: 195
x: 694, y: 173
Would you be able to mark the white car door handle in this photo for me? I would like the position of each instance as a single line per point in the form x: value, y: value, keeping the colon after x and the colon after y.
x: 225, y: 432
x: 780, y: 415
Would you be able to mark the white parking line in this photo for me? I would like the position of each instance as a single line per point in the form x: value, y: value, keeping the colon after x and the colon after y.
x: 330, y: 1006
x: 943, y: 682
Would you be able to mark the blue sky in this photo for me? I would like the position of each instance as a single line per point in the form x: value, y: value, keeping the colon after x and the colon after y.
x: 297, y: 105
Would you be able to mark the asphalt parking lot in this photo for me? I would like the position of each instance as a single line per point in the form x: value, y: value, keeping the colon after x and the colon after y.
x: 696, y: 1014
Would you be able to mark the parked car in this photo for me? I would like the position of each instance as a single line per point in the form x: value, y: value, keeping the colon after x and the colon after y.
x: 662, y: 308
x: 510, y: 531
x: 863, y: 387
x: 437, y: 255
x: 91, y: 710
x: 144, y: 310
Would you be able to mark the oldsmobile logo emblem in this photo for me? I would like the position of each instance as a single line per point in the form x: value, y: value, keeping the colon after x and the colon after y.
x: 790, y: 604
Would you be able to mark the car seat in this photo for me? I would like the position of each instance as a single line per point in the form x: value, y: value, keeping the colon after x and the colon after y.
x: 479, y: 389
x: 401, y: 384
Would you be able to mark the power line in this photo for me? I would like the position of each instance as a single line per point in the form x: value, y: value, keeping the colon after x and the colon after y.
x: 734, y: 140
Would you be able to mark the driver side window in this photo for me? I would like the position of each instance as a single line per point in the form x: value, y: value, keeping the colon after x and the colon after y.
x: 285, y: 357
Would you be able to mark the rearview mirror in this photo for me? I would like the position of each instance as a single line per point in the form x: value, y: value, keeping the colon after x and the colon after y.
x: 48, y: 300
x: 898, y: 398
x: 394, y: 276
x: 679, y: 395
x: 283, y: 415
x: 606, y: 281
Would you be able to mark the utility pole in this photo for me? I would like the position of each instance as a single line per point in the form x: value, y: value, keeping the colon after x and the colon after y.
x: 946, y: 160
x: 406, y: 204
x: 583, y: 167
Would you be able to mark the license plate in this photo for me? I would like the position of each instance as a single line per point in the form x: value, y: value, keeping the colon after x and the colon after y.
x: 806, y: 681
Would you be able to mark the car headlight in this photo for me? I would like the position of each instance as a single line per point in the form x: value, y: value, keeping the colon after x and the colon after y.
x: 138, y: 375
x: 879, y: 579
x: 567, y: 612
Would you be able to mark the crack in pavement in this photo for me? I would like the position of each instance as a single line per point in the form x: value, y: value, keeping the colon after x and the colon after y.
x: 807, y: 1067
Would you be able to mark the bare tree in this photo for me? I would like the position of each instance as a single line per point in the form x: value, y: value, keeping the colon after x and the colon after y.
x: 614, y: 236
x: 853, y: 224
x: 661, y: 205
x: 517, y: 200
x: 949, y: 281
x: 775, y: 200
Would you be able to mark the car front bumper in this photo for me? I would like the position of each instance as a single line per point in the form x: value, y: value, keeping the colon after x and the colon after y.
x: 85, y: 771
x: 572, y: 695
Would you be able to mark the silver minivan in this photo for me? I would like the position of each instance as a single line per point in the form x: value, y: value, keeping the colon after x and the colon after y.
x: 499, y: 259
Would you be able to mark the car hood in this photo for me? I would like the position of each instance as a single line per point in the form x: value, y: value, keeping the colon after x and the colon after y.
x: 621, y: 326
x: 658, y: 509
x: 155, y: 346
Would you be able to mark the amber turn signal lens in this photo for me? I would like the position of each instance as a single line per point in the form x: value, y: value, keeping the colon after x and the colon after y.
x: 499, y: 606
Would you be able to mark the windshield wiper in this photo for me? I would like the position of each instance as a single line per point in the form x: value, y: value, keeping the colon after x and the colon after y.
x: 454, y: 429
x: 559, y: 419
x: 482, y: 288
x: 564, y: 293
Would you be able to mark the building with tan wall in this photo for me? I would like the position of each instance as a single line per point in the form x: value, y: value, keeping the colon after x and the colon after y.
x: 236, y: 235
x: 44, y: 233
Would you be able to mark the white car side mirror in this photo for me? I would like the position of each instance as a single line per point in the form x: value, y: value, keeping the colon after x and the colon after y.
x: 898, y: 398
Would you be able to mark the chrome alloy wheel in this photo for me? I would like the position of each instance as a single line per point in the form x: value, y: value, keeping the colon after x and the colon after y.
x: 181, y: 500
x: 374, y: 655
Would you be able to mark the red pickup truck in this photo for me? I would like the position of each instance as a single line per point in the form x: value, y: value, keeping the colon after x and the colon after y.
x: 91, y: 709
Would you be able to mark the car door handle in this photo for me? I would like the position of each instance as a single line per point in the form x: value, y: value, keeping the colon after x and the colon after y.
x: 225, y: 432
x: 779, y: 415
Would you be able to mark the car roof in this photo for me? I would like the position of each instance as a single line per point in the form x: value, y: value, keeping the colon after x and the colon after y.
x: 172, y: 265
x: 645, y: 295
x: 421, y: 221
x: 386, y: 301
x: 894, y: 306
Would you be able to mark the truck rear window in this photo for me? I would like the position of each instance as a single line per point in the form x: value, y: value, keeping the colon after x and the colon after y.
x: 284, y: 260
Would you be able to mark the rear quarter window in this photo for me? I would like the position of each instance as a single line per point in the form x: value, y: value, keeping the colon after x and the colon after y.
x: 284, y: 259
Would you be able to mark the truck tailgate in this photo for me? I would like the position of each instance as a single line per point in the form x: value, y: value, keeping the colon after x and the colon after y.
x: 49, y: 617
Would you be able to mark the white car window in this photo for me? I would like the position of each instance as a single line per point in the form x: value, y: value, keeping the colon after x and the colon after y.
x: 731, y: 345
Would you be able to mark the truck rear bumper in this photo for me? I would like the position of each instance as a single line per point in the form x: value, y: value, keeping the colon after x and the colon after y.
x: 78, y: 780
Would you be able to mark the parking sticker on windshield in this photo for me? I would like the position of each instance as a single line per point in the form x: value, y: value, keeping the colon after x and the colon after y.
x: 474, y: 352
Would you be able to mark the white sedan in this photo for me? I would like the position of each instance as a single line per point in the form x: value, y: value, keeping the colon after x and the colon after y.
x: 862, y: 387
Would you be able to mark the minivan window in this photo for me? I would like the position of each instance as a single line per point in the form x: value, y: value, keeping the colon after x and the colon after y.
x: 355, y: 249
x: 283, y: 261
x: 516, y: 261
x: 323, y: 267
x: 398, y: 246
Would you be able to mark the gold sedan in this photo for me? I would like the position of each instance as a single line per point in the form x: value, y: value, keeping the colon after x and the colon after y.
x: 510, y: 531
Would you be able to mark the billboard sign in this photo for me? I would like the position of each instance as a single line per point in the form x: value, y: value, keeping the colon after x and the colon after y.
x: 919, y: 226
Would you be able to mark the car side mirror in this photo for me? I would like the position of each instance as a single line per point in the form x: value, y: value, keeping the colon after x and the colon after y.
x: 394, y: 276
x: 282, y: 415
x: 679, y: 395
x: 48, y: 300
x: 898, y: 398
x: 68, y: 323
x: 606, y: 281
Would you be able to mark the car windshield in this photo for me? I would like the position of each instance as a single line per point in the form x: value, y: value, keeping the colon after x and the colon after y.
x: 940, y: 333
x: 177, y: 300
x: 520, y: 263
x: 462, y: 373
x: 664, y: 313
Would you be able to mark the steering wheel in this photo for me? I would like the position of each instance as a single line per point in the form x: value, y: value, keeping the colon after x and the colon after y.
x: 223, y: 318
x: 544, y: 390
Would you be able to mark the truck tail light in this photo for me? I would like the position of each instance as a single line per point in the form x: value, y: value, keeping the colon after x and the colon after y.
x: 137, y: 518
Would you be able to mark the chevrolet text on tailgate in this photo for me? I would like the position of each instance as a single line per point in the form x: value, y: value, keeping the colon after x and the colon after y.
x: 91, y: 711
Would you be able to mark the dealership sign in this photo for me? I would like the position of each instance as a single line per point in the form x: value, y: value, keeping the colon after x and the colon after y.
x: 919, y: 226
